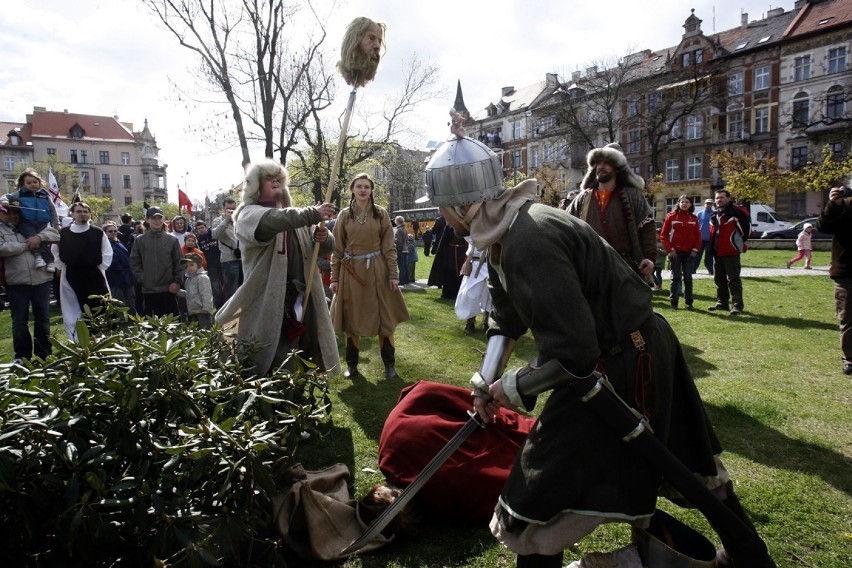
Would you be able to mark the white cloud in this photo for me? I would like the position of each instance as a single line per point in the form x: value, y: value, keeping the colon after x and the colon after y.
x: 111, y: 57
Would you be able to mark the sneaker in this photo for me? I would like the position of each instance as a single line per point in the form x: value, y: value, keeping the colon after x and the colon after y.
x: 847, y: 368
x: 50, y: 267
x: 690, y: 308
x: 720, y: 307
x: 39, y: 262
x: 808, y: 268
x: 735, y: 311
x: 788, y: 264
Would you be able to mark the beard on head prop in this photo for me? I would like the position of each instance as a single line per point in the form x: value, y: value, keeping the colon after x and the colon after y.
x: 361, y: 50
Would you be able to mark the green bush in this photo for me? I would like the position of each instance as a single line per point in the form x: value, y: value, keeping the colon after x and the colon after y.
x: 147, y: 443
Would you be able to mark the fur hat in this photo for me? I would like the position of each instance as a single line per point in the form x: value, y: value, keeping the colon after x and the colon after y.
x: 256, y: 172
x: 611, y: 154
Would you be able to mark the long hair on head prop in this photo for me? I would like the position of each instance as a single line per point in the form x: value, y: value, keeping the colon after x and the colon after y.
x: 361, y: 51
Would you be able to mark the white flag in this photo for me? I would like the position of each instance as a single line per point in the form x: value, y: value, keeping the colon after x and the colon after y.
x: 61, y: 208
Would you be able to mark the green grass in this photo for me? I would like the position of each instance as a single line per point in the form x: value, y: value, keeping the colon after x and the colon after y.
x: 771, y: 380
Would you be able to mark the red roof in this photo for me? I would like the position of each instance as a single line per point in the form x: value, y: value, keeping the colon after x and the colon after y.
x: 820, y: 16
x: 59, y: 125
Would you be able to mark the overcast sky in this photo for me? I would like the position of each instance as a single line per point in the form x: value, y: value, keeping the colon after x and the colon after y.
x: 109, y: 57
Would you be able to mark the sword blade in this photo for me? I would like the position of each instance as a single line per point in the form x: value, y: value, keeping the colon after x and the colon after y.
x: 382, y: 521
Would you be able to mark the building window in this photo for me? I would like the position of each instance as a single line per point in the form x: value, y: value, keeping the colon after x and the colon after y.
x: 516, y: 159
x: 672, y: 170
x: 693, y: 167
x: 103, y: 156
x: 836, y: 149
x: 735, y: 125
x: 84, y: 157
x: 633, y: 105
x: 801, y: 111
x: 534, y: 160
x: 73, y: 156
x: 10, y: 163
x: 837, y: 60
x: 798, y: 157
x: 761, y: 120
x: 548, y: 153
x: 694, y: 129
x: 126, y: 184
x: 23, y: 162
x: 686, y: 59
x: 761, y: 78
x: 516, y: 130
x: 51, y: 151
x: 735, y: 83
x: 84, y: 180
x: 699, y: 56
x: 674, y: 133
x: 834, y: 103
x: 653, y: 100
x: 125, y: 158
x: 635, y: 143
x: 802, y: 68
x: 105, y: 182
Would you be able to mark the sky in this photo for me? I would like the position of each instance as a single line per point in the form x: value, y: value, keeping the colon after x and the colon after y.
x: 112, y: 58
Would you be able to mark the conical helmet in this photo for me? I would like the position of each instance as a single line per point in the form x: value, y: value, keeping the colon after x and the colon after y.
x: 463, y: 171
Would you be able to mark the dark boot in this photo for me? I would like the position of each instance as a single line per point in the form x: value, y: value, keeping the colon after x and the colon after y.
x: 470, y: 326
x: 351, y: 360
x: 539, y: 561
x: 389, y: 359
x: 741, y: 550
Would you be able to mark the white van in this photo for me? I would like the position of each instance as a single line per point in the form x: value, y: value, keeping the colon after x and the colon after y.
x: 764, y: 218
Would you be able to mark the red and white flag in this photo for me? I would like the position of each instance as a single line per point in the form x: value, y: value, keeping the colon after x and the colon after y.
x: 61, y: 208
x: 183, y: 201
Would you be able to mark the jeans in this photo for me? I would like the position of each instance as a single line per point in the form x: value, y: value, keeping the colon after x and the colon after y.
x: 708, y: 260
x: 20, y: 298
x: 402, y: 264
x: 842, y: 285
x: 231, y: 276
x: 729, y: 285
x: 681, y: 270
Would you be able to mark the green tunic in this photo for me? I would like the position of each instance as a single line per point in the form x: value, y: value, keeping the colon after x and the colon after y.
x: 552, y: 274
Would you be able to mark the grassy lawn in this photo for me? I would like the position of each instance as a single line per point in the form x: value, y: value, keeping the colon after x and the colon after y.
x: 771, y: 379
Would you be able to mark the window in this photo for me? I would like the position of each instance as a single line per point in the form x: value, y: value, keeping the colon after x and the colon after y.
x: 516, y: 159
x: 516, y: 130
x: 635, y: 143
x: 735, y: 83
x: 693, y: 167
x: 837, y: 60
x: 103, y: 156
x: 671, y: 203
x: 73, y: 156
x: 128, y: 199
x: 51, y: 151
x: 801, y: 110
x: 699, y: 56
x: 84, y: 157
x: 834, y: 103
x: 694, y: 129
x: 735, y: 125
x: 105, y: 182
x: 146, y: 182
x: 802, y: 68
x: 761, y: 120
x: 125, y: 158
x: 836, y: 149
x: 84, y: 179
x: 672, y: 170
x: 548, y: 153
x: 761, y: 78
x: 653, y: 100
x: 126, y: 184
x: 674, y: 133
x: 798, y: 157
x: 633, y: 105
x: 23, y: 161
x: 686, y: 60
x: 534, y: 159
x: 10, y: 163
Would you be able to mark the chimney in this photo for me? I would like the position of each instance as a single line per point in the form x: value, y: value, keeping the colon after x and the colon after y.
x: 505, y: 91
x: 576, y: 75
x: 591, y: 70
x: 744, y: 20
x: 774, y: 12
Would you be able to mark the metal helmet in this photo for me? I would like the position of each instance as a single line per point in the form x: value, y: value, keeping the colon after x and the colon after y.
x: 463, y: 171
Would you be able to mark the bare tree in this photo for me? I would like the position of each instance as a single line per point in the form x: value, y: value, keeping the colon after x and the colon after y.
x: 271, y: 86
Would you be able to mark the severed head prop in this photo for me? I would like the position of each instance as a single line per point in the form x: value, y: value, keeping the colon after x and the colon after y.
x: 361, y: 50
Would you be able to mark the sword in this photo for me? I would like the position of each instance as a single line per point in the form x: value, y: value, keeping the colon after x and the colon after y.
x: 382, y: 521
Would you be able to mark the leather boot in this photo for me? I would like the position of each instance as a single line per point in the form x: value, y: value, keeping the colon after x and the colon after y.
x: 351, y: 360
x: 389, y: 359
x: 741, y: 550
x: 470, y: 326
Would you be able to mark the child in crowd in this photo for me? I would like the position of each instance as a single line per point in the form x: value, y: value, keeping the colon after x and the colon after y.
x: 803, y: 244
x: 412, y: 259
x: 197, y: 292
x: 662, y: 255
x: 37, y: 212
x: 190, y: 245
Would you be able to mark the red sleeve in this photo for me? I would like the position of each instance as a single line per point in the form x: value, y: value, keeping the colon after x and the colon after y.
x: 696, y: 236
x: 664, y: 233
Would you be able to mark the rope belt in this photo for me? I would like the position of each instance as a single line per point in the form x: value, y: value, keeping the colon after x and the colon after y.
x: 368, y: 256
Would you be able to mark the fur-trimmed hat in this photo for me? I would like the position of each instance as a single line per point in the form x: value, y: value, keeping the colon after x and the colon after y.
x: 256, y: 172
x: 611, y: 154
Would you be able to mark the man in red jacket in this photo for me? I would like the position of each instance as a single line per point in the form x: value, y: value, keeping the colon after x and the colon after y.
x: 729, y: 229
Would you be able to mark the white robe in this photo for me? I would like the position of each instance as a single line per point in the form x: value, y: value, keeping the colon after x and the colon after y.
x: 474, y: 297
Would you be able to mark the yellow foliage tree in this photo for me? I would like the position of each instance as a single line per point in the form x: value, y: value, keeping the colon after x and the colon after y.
x: 829, y: 173
x: 749, y: 177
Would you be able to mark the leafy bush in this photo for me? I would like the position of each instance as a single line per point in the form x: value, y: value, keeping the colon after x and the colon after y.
x: 146, y: 443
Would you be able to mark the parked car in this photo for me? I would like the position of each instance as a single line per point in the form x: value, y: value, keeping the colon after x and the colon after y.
x: 793, y: 232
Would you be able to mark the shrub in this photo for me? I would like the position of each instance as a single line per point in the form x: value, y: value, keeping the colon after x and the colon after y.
x: 147, y: 443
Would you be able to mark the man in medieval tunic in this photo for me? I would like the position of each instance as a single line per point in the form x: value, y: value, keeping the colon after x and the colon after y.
x: 589, y: 314
x: 277, y: 241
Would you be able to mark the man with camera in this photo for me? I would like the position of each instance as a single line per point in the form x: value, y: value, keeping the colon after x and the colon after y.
x: 229, y: 249
x: 836, y: 219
